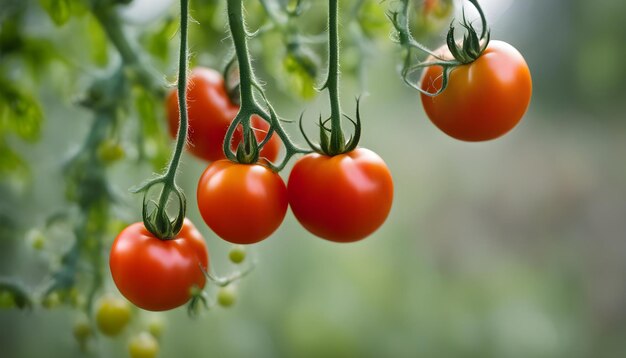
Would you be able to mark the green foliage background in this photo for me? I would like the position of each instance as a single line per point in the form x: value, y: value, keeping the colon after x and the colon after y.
x: 511, y: 248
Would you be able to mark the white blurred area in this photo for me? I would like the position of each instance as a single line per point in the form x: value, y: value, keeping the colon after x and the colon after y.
x: 142, y: 12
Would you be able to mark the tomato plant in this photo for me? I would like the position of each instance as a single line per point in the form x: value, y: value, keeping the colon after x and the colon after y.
x: 241, y: 203
x: 112, y: 315
x: 211, y: 111
x: 157, y: 274
x: 484, y: 99
x: 343, y: 198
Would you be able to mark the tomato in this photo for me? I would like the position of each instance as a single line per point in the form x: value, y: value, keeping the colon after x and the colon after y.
x: 143, y: 345
x: 226, y: 296
x: 343, y: 198
x: 484, y: 99
x: 155, y: 274
x: 241, y: 203
x: 210, y: 112
x: 237, y: 254
x: 112, y: 315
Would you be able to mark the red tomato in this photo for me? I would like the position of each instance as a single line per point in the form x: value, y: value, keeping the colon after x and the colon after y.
x: 343, y: 198
x: 241, y: 203
x: 210, y: 112
x: 484, y: 99
x: 154, y: 274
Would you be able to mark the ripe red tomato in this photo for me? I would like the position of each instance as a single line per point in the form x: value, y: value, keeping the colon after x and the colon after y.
x: 210, y: 112
x: 154, y: 274
x: 343, y: 198
x: 241, y: 203
x: 484, y: 99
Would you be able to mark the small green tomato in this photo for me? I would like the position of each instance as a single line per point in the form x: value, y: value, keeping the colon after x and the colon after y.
x: 112, y: 315
x: 226, y: 296
x: 156, y: 326
x: 237, y: 254
x: 51, y: 300
x: 7, y: 300
x: 110, y: 151
x: 143, y: 345
x: 82, y: 330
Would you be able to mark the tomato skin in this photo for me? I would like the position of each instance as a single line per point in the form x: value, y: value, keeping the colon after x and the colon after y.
x: 241, y: 203
x: 343, y: 198
x: 210, y: 113
x: 484, y: 99
x: 155, y: 274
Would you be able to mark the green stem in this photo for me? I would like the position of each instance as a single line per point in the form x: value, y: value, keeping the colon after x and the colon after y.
x: 111, y: 24
x: 332, y: 83
x: 238, y: 32
x: 181, y: 136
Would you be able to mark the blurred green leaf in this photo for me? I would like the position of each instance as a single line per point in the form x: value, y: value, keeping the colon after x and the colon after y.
x: 152, y: 141
x: 20, y: 112
x: 12, y: 166
x: 301, y: 67
x: 158, y: 43
x: 98, y: 42
x: 59, y: 11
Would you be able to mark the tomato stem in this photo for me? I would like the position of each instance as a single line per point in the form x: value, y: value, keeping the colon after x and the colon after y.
x: 468, y: 51
x: 157, y: 221
x: 337, y: 143
x: 248, y: 150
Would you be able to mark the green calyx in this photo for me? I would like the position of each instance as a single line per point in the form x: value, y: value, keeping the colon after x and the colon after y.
x: 248, y: 149
x: 334, y: 143
x: 473, y: 45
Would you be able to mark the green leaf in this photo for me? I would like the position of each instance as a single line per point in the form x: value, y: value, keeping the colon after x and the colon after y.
x: 301, y: 67
x: 98, y: 42
x: 158, y: 43
x: 12, y: 166
x: 59, y: 11
x: 20, y: 112
x: 152, y: 141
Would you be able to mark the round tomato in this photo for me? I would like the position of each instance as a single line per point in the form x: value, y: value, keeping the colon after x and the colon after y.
x: 484, y: 99
x: 210, y: 113
x: 143, y: 345
x: 343, y: 198
x: 112, y: 315
x: 156, y: 274
x: 241, y: 203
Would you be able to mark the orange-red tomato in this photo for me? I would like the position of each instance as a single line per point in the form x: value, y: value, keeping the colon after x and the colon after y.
x: 484, y: 99
x: 343, y: 198
x: 241, y: 203
x: 210, y: 112
x: 155, y: 274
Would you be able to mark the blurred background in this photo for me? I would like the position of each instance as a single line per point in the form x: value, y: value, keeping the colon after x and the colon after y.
x: 510, y: 248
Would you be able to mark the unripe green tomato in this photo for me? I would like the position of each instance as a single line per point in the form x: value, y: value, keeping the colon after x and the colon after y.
x: 143, y: 345
x: 82, y: 330
x: 237, y: 254
x: 36, y: 239
x: 7, y: 300
x: 51, y: 300
x: 110, y: 151
x: 156, y: 326
x: 112, y: 315
x: 226, y: 296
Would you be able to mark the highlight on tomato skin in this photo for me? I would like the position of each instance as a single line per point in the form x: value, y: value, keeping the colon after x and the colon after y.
x: 155, y: 274
x: 210, y: 112
x: 343, y: 198
x: 484, y: 99
x: 242, y: 203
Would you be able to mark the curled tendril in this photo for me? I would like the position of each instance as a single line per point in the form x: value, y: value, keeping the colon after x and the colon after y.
x: 468, y: 50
